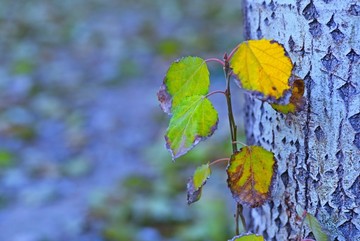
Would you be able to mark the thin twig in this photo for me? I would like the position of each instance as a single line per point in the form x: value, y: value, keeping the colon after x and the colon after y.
x: 233, y: 131
x: 232, y: 124
x: 303, y: 216
x: 239, y: 209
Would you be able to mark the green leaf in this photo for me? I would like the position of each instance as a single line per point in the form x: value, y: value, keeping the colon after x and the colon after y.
x: 313, y: 224
x: 248, y: 237
x: 194, y: 119
x: 315, y: 227
x: 196, y: 182
x: 201, y: 174
x: 186, y: 77
x: 6, y: 159
x: 23, y: 66
x: 250, y: 175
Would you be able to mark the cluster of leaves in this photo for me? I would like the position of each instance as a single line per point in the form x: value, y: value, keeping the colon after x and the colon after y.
x: 260, y: 67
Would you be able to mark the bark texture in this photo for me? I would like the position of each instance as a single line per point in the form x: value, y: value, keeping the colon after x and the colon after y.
x: 318, y: 150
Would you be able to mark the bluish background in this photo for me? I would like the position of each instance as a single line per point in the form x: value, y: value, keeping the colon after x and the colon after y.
x: 82, y: 154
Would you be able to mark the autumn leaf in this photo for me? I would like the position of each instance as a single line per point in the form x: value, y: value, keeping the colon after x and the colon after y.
x: 193, y: 120
x: 262, y: 66
x: 297, y: 101
x: 250, y: 175
x: 186, y: 77
x: 196, y: 182
x: 248, y: 237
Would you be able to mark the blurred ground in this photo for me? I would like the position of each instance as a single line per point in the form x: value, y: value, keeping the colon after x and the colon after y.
x: 80, y: 127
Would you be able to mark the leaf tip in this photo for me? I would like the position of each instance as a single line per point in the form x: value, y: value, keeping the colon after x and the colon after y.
x: 173, y: 153
x: 192, y: 195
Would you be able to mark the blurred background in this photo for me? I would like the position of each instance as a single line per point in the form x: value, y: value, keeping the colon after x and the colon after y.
x: 82, y: 153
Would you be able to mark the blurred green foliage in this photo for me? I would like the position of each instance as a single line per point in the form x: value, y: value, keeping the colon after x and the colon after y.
x: 6, y: 159
x: 156, y: 203
x: 23, y: 66
x: 59, y: 61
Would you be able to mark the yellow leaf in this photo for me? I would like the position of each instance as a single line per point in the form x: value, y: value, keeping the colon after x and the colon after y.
x: 250, y: 175
x: 262, y: 66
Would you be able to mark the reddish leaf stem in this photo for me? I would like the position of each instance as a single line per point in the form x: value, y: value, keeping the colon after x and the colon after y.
x: 215, y: 92
x: 219, y: 160
x: 232, y: 52
x: 215, y: 60
x: 241, y: 143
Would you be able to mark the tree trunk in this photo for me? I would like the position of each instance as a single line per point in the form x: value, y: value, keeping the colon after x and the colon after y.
x: 318, y: 149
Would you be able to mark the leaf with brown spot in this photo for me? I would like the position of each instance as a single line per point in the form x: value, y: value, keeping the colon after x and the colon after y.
x: 250, y: 175
x: 297, y: 100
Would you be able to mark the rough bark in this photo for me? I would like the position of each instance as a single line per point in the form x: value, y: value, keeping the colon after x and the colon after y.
x: 318, y: 150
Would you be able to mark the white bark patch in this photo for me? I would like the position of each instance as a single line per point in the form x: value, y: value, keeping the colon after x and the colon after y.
x: 318, y: 150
